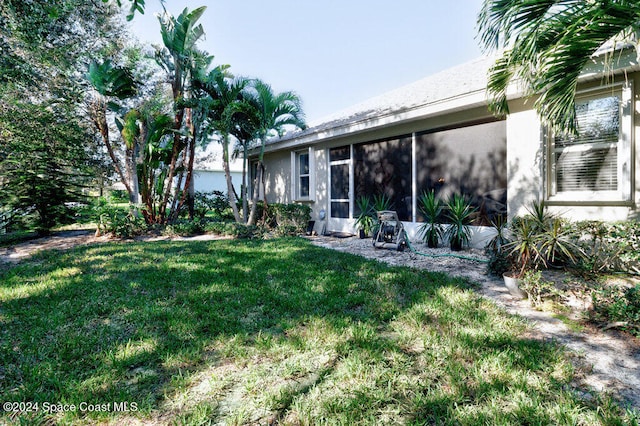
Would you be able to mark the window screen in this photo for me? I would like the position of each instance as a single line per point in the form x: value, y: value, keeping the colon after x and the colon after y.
x: 589, y: 161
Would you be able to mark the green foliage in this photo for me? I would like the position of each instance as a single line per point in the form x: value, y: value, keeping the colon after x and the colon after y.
x: 118, y: 221
x: 289, y: 219
x: 460, y: 213
x: 540, y: 239
x: 432, y: 208
x: 366, y: 216
x: 234, y: 229
x: 215, y: 202
x: 44, y: 163
x: 136, y: 6
x: 538, y: 290
x: 609, y: 246
x: 545, y: 46
x: 381, y: 202
x: 498, y: 262
x: 184, y: 228
x: 616, y: 303
x: 500, y: 239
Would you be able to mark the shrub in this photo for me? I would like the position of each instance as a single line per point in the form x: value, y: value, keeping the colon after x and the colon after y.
x: 122, y: 223
x: 215, y: 201
x: 289, y: 219
x: 234, y: 229
x: 538, y: 290
x: 610, y: 246
x: 184, y: 228
x: 431, y: 207
x: 618, y: 304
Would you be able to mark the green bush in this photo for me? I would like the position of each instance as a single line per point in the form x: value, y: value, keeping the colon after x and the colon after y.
x: 288, y: 219
x: 618, y: 304
x: 184, y: 228
x: 538, y: 290
x: 122, y: 223
x: 234, y: 229
x: 215, y: 202
x: 610, y: 246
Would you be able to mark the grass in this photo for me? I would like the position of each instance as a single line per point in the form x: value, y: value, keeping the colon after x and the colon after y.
x: 279, y: 331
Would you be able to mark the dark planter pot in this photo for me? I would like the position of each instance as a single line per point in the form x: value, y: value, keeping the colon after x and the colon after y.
x: 362, y: 234
x: 432, y: 242
x: 456, y: 245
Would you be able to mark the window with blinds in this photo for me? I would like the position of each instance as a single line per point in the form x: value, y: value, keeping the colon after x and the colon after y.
x: 591, y: 164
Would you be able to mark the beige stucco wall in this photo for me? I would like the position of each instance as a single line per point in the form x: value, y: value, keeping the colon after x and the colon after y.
x: 524, y: 158
x: 278, y: 177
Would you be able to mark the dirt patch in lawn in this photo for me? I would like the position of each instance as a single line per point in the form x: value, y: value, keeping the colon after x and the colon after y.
x: 606, y: 361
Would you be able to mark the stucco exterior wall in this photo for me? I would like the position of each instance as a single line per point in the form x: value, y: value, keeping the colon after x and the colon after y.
x: 278, y: 177
x: 524, y: 158
x: 527, y: 170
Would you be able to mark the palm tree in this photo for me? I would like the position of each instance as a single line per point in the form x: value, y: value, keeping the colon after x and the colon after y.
x: 179, y: 58
x: 547, y: 44
x: 224, y: 114
x: 275, y: 113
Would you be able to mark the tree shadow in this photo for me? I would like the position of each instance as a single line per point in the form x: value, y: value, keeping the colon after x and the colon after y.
x: 125, y: 321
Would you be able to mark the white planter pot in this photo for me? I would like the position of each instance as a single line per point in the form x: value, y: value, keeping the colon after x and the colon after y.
x: 513, y: 285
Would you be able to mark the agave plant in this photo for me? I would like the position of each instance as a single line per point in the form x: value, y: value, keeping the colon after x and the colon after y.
x: 431, y: 207
x: 366, y: 218
x: 460, y: 213
x: 380, y: 203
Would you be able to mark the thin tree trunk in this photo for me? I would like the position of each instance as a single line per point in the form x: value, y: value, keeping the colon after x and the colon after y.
x: 227, y: 174
x: 99, y: 117
x: 256, y: 195
x: 175, y: 151
x: 244, y: 190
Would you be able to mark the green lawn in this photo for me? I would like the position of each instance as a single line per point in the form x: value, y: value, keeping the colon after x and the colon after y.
x: 237, y: 332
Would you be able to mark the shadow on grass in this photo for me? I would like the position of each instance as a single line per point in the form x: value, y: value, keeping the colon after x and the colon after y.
x: 132, y: 321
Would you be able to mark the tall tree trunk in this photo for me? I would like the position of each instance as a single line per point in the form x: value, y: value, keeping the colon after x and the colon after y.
x: 256, y: 195
x: 175, y: 152
x: 99, y: 117
x: 227, y: 174
x: 244, y: 192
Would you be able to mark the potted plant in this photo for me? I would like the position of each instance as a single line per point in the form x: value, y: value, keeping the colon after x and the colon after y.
x: 431, y: 207
x: 460, y: 214
x: 366, y: 218
x: 496, y: 247
x: 380, y: 203
x: 523, y: 253
x: 538, y: 239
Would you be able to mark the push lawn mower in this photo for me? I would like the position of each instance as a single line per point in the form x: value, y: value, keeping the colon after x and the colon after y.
x: 390, y: 234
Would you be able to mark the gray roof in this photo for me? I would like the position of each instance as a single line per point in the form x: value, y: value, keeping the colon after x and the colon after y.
x: 451, y: 83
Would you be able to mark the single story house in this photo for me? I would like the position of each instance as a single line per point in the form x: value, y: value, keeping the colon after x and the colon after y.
x: 437, y: 133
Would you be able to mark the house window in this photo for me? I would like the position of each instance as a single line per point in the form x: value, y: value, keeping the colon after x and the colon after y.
x: 302, y: 178
x: 595, y: 164
x: 303, y: 174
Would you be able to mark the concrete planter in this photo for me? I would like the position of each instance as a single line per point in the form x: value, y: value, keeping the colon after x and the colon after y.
x: 513, y: 285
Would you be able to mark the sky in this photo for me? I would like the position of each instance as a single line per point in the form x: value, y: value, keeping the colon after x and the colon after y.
x: 332, y: 53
